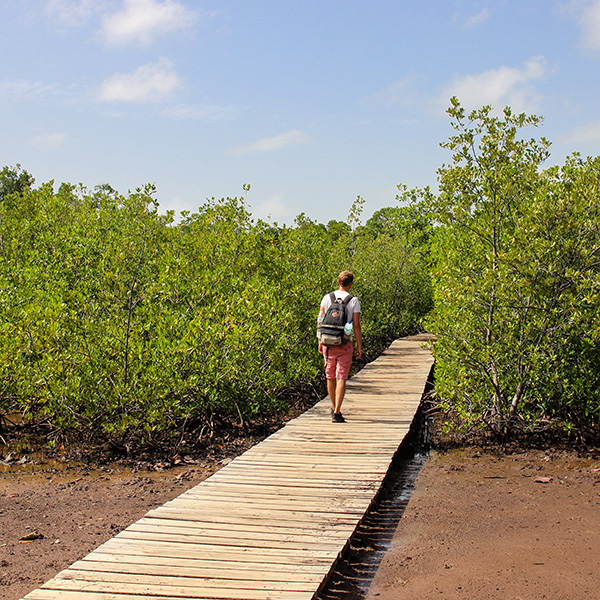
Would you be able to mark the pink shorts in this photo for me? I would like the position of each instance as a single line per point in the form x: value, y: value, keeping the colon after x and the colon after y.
x: 338, y: 360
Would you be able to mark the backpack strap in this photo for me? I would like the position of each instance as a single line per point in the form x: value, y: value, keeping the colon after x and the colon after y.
x: 334, y: 300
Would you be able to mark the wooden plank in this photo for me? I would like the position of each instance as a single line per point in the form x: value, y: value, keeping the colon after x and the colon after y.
x: 273, y: 457
x: 331, y: 471
x: 326, y: 478
x: 252, y: 511
x: 306, y: 462
x: 225, y: 569
x: 283, y: 502
x: 343, y: 453
x: 247, y: 541
x: 275, y: 489
x: 152, y: 561
x: 75, y: 579
x: 91, y: 591
x: 270, y: 505
x: 177, y: 549
x: 283, y: 519
x: 241, y: 526
x: 338, y: 447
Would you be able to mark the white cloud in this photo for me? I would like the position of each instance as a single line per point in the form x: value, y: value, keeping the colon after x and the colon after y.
x: 291, y: 137
x: 50, y: 141
x: 584, y: 134
x: 149, y: 83
x: 590, y: 23
x: 73, y: 12
x: 404, y: 91
x: 142, y: 20
x: 202, y: 112
x: 272, y: 209
x: 24, y: 90
x: 512, y: 86
x: 477, y: 19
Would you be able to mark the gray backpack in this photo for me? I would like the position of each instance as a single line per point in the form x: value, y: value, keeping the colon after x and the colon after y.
x: 330, y: 331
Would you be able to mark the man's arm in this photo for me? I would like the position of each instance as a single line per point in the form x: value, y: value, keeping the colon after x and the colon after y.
x: 319, y: 319
x: 358, y: 334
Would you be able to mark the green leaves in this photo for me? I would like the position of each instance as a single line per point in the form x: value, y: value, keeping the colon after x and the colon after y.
x: 516, y: 275
x: 119, y: 324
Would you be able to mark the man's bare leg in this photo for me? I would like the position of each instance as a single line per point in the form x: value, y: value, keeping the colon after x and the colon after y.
x: 340, y: 392
x: 332, y: 391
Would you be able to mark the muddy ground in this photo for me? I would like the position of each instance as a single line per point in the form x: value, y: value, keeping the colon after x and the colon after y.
x: 484, y: 526
x: 478, y: 526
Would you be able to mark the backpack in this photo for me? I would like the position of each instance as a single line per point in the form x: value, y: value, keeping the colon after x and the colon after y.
x: 330, y: 331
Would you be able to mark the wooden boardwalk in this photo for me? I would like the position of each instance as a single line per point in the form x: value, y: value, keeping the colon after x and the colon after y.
x: 271, y: 524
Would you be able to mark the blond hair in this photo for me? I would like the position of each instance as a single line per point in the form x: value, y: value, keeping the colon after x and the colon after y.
x: 345, y: 278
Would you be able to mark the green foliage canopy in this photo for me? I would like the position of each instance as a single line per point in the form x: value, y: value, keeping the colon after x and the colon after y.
x: 118, y: 322
x: 515, y: 271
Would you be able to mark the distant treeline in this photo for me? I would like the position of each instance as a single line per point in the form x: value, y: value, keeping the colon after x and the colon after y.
x: 119, y: 323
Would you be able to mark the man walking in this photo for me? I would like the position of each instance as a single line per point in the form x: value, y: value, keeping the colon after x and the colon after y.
x: 338, y: 359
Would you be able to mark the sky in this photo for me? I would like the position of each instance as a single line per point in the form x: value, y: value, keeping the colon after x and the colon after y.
x: 311, y: 103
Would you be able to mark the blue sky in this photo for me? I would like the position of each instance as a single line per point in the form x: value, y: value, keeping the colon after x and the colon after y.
x: 312, y: 103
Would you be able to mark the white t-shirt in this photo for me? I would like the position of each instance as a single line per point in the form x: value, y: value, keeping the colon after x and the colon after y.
x: 352, y: 307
